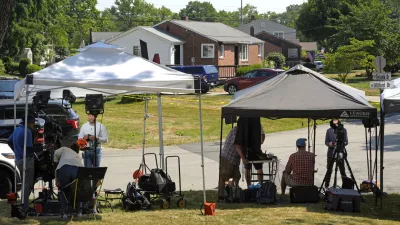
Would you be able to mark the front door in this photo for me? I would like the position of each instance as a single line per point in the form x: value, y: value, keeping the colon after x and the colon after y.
x: 177, y: 55
x: 236, y: 55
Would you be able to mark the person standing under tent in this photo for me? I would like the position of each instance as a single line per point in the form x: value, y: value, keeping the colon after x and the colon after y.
x: 229, y: 163
x: 16, y: 143
x: 257, y: 166
x: 330, y: 141
x: 87, y: 133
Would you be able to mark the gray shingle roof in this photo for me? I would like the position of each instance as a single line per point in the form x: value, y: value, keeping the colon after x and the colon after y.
x: 309, y: 46
x: 218, y: 32
x: 161, y: 33
x: 102, y: 36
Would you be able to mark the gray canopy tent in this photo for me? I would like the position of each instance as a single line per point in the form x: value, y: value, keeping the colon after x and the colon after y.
x: 299, y: 93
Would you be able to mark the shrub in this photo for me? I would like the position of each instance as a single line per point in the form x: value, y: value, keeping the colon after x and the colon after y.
x: 7, y: 61
x: 278, y: 58
x: 32, y: 68
x: 2, y: 69
x: 245, y: 69
x: 23, y: 63
x: 14, y: 68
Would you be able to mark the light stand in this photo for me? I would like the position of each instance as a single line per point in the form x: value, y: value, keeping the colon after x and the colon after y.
x: 143, y: 166
x: 94, y: 105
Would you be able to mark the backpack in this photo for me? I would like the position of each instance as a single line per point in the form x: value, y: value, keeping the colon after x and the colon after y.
x: 133, y: 200
x: 267, y: 193
x: 233, y: 193
x: 161, y: 181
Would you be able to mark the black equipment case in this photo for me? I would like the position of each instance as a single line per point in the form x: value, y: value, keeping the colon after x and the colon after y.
x: 345, y: 200
x: 304, y: 194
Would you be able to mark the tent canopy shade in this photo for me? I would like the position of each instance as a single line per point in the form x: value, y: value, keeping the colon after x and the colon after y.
x: 391, y: 98
x: 300, y: 93
x: 109, y: 68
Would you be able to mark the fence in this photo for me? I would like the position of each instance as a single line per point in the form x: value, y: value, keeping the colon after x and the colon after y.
x: 227, y: 71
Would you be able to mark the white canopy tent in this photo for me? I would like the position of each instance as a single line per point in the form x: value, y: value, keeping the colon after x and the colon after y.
x: 105, y: 69
x: 390, y: 103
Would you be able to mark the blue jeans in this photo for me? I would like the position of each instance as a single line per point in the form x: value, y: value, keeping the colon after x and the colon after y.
x: 88, y: 158
x: 66, y: 174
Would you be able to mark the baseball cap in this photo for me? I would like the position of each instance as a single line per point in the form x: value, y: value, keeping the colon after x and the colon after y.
x: 31, y: 118
x: 301, y: 142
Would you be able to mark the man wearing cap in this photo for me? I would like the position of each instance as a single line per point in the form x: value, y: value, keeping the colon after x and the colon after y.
x: 300, y: 168
x: 16, y: 143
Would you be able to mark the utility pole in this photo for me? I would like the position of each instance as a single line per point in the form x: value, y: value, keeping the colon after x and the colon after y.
x: 241, y: 12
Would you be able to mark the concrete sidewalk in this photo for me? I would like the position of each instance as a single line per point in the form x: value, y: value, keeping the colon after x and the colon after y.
x: 122, y: 163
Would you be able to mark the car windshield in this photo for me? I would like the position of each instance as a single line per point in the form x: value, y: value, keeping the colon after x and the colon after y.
x: 210, y: 69
x: 7, y: 85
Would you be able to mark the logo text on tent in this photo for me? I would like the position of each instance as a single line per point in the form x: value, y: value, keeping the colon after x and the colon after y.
x: 355, y: 114
x: 344, y: 114
x: 391, y: 105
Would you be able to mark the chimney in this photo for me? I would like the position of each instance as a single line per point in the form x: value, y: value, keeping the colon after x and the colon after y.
x: 186, y: 18
x: 252, y: 31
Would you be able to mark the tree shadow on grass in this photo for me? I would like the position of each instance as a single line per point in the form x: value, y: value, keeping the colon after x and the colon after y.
x: 5, y: 212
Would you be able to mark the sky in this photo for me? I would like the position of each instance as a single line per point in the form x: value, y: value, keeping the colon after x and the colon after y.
x: 227, y: 5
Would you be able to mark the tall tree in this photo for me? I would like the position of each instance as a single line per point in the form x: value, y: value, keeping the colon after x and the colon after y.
x: 200, y: 11
x: 317, y: 18
x: 5, y: 9
x: 369, y: 20
x: 131, y: 13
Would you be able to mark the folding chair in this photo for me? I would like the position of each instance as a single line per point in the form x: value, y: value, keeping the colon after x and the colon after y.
x: 82, y: 189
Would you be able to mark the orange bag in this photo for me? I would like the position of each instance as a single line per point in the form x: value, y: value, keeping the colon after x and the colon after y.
x: 209, y: 208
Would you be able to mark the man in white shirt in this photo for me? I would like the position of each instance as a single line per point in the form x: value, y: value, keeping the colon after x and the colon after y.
x: 87, y: 133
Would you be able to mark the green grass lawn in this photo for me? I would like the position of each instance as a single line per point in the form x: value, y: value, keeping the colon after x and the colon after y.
x: 230, y: 214
x: 124, y: 122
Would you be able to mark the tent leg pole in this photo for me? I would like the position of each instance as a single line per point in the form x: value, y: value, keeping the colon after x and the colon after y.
x: 315, y: 134
x: 376, y: 162
x: 160, y: 131
x: 220, y: 148
x: 201, y: 146
x: 15, y: 164
x: 308, y: 129
x: 24, y: 155
x: 382, y: 152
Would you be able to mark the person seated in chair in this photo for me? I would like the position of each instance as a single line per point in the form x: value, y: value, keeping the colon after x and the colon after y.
x: 299, y: 170
x: 68, y: 160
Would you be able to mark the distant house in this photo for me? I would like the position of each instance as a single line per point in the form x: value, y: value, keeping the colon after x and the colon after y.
x: 278, y: 38
x: 210, y: 43
x: 158, y: 41
x: 271, y: 27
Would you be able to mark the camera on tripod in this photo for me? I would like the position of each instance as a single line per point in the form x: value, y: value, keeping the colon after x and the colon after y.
x: 340, y: 141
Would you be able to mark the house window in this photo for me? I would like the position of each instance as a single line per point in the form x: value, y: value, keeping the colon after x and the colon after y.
x: 293, y: 53
x: 278, y: 34
x: 260, y: 50
x: 207, y: 51
x: 221, y: 51
x: 244, y: 52
x: 136, y: 51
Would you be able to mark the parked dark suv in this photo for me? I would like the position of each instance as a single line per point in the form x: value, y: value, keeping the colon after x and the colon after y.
x: 209, y: 74
x: 66, y: 117
x: 7, y: 88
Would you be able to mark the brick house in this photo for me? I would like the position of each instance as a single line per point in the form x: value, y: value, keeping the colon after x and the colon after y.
x: 210, y: 43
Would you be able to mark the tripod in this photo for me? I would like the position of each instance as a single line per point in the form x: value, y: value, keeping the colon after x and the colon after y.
x: 335, y: 159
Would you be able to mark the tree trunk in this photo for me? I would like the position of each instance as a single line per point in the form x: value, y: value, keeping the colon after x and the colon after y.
x: 5, y: 9
x: 369, y: 74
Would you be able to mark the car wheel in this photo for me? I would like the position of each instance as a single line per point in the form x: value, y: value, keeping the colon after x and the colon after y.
x: 232, y: 89
x: 5, y: 184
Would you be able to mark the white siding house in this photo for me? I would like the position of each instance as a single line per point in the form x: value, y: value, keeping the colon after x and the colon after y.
x: 169, y: 48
